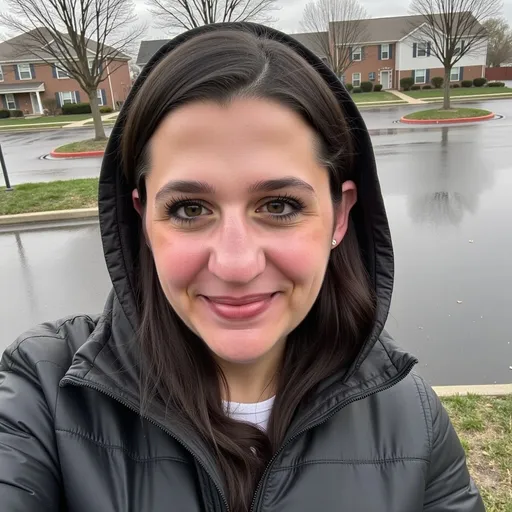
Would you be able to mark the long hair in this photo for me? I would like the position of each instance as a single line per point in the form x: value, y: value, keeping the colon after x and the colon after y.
x: 176, y: 367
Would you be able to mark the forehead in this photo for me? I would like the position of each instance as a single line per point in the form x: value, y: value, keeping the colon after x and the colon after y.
x: 246, y: 138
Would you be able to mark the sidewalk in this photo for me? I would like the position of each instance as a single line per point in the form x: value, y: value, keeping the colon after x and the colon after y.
x: 86, y: 122
x: 58, y: 124
x: 408, y: 99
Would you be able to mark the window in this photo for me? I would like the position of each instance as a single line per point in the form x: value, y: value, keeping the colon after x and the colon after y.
x: 24, y: 72
x: 67, y: 97
x: 422, y: 50
x: 357, y: 53
x: 371, y: 76
x: 458, y: 47
x: 384, y: 51
x: 356, y: 79
x: 455, y: 75
x: 61, y: 73
x: 100, y: 98
x: 420, y: 76
x: 11, y: 104
x: 1, y: 74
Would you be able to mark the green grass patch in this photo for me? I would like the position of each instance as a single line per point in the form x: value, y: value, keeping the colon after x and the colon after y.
x: 453, y: 113
x: 15, y: 121
x: 470, y: 91
x: 44, y: 197
x: 83, y: 145
x: 365, y: 97
x: 484, y: 425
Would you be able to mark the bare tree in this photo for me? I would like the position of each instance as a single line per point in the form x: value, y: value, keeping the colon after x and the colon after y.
x: 453, y: 29
x: 83, y: 38
x: 179, y: 15
x: 499, y: 49
x: 345, y: 23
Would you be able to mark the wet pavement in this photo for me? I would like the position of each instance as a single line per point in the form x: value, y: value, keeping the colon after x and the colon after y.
x: 447, y: 191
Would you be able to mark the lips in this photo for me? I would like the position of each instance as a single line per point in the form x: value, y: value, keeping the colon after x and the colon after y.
x: 239, y: 308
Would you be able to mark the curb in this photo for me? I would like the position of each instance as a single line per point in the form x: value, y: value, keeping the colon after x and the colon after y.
x: 24, y: 218
x: 488, y: 390
x: 82, y: 154
x: 448, y: 121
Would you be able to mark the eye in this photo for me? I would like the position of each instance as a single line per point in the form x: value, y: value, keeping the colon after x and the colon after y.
x: 187, y: 210
x: 282, y: 208
x: 279, y: 208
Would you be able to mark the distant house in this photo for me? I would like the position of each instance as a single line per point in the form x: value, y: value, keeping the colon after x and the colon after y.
x: 387, y: 50
x: 26, y: 81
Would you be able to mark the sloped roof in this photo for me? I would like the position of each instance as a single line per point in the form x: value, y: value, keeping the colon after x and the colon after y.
x: 13, y: 49
x: 314, y: 41
x: 147, y: 49
x: 388, y: 29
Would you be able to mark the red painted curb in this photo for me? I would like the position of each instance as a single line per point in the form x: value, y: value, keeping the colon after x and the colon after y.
x: 83, y: 154
x: 448, y: 121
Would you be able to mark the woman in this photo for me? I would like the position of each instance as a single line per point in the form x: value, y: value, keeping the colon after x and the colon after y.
x: 240, y: 363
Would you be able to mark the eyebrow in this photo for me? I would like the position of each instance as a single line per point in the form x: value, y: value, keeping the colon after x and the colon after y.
x: 200, y: 187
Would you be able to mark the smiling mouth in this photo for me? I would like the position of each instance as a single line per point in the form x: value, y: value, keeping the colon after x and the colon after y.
x: 239, y: 308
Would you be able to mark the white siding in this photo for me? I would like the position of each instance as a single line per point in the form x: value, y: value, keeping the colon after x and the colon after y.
x: 406, y: 61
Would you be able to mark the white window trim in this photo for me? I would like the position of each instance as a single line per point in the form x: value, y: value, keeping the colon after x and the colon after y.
x: 458, y: 74
x: 360, y: 53
x: 13, y: 101
x: 100, y: 98
x: 57, y: 70
x: 353, y: 79
x: 424, y: 47
x: 416, y: 77
x: 382, y: 52
x: 29, y: 70
x: 1, y: 74
x: 73, y: 97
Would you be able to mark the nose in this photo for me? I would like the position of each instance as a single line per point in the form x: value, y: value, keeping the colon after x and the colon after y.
x: 236, y: 256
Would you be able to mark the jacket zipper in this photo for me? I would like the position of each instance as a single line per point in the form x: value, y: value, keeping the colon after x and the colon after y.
x: 79, y: 382
x: 401, y: 376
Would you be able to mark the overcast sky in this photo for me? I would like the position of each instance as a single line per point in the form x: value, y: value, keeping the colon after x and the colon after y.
x: 290, y: 13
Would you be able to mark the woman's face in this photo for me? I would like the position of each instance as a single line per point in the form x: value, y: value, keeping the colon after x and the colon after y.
x: 240, y: 222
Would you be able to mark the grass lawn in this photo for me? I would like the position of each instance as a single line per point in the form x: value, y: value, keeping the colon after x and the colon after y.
x: 453, y: 113
x: 365, y: 97
x: 13, y: 121
x: 470, y: 91
x: 484, y: 425
x: 82, y: 145
x: 55, y: 195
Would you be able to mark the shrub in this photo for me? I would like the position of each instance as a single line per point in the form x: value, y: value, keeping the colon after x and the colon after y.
x: 16, y: 113
x: 415, y: 87
x: 406, y: 83
x: 479, y: 82
x: 426, y: 87
x: 496, y: 84
x: 4, y: 114
x: 454, y: 86
x: 357, y: 90
x: 377, y: 87
x: 366, y: 86
x: 349, y: 87
x: 437, y: 82
x: 50, y: 107
x: 106, y: 110
x: 76, y: 108
x: 466, y: 83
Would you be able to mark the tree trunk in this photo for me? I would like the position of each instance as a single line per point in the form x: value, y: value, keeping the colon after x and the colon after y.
x: 99, y: 131
x: 446, y: 102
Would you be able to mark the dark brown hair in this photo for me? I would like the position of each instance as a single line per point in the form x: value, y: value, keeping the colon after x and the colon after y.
x: 176, y: 366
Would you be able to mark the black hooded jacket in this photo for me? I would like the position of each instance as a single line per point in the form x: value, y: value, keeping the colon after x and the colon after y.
x: 71, y: 437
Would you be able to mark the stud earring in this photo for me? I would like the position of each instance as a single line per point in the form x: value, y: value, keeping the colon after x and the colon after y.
x: 333, y: 242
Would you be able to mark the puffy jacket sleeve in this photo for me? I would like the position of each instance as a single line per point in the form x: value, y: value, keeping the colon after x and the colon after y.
x: 29, y: 476
x: 449, y: 486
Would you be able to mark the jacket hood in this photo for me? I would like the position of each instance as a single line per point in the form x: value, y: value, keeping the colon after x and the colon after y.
x: 120, y: 224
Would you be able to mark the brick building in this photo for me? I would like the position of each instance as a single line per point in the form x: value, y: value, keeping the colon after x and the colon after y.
x: 26, y: 81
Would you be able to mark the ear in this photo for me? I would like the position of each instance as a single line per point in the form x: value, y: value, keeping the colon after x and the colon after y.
x: 137, y: 203
x: 341, y: 215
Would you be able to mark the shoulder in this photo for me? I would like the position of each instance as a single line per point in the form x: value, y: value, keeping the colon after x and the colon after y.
x: 52, y: 343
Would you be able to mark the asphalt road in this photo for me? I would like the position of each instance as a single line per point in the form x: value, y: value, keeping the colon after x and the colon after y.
x: 447, y: 192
